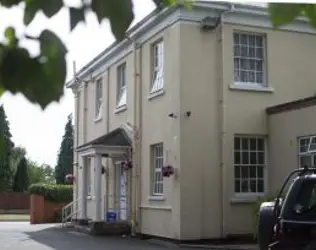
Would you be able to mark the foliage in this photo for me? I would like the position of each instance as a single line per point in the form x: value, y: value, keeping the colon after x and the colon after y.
x: 65, y: 156
x: 53, y: 192
x: 21, y: 179
x: 40, y: 173
x: 17, y: 154
x: 5, y: 153
x: 285, y: 13
x: 41, y: 78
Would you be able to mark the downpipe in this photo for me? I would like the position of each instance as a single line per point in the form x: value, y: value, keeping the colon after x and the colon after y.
x: 222, y: 112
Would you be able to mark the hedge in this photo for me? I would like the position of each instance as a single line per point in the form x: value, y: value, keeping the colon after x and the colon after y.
x: 53, y: 192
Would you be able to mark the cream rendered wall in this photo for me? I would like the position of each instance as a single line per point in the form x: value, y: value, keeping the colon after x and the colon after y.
x: 200, y: 169
x: 284, y: 129
x: 161, y: 216
x: 290, y: 71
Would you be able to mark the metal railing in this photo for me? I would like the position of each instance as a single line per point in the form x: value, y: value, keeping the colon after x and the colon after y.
x: 70, y: 211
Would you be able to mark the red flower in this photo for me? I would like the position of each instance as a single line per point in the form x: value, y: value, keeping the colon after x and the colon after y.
x: 167, y: 171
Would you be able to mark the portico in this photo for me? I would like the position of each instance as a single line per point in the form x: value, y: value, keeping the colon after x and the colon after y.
x: 113, y: 146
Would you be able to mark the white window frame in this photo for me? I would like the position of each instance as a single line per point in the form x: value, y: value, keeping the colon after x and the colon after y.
x: 310, y: 151
x: 157, y: 78
x: 249, y: 165
x: 157, y: 160
x: 121, y: 99
x: 250, y: 59
x: 99, y: 98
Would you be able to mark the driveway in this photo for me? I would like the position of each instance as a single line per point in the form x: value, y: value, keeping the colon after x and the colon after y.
x: 22, y: 235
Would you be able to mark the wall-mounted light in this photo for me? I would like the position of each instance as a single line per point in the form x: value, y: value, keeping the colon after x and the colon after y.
x: 172, y: 115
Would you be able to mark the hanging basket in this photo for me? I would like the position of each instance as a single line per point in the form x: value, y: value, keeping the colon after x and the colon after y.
x: 70, y: 179
x: 167, y: 171
x: 127, y: 165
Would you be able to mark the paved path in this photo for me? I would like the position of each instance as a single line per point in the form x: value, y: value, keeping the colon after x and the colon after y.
x: 22, y: 235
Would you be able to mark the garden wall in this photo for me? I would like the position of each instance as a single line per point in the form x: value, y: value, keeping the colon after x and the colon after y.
x: 14, y: 201
x: 43, y: 211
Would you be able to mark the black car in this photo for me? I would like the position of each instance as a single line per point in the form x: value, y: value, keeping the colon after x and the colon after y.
x: 289, y: 222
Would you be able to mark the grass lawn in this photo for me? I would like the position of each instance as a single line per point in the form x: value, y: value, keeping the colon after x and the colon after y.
x: 14, y: 217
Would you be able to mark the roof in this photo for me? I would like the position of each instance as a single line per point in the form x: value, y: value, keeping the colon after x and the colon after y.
x: 156, y: 17
x: 293, y: 105
x: 117, y: 137
x: 149, y: 21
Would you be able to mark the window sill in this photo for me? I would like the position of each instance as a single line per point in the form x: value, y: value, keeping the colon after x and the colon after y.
x: 120, y: 109
x: 98, y: 119
x: 250, y: 87
x: 156, y: 198
x: 89, y: 197
x: 245, y: 199
x: 155, y: 94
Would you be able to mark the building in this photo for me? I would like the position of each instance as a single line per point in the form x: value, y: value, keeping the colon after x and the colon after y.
x: 192, y: 89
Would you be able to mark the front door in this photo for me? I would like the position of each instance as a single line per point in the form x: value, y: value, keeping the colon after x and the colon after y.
x: 122, y: 194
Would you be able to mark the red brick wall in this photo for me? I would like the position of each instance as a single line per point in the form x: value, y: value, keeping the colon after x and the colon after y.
x: 42, y: 211
x: 14, y: 201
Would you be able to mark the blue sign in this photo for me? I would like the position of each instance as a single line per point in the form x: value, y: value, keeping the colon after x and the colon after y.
x: 110, y: 216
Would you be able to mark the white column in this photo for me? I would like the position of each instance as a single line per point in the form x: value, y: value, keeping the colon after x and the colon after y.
x: 84, y: 188
x: 98, y: 187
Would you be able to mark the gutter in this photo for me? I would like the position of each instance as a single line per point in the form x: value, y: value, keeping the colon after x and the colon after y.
x: 222, y: 114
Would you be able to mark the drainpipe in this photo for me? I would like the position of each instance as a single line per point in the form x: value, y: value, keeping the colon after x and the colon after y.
x: 222, y: 113
x: 139, y: 140
x: 107, y: 118
x: 134, y: 143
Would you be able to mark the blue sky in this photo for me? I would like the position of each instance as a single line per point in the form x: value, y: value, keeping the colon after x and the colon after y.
x: 40, y: 132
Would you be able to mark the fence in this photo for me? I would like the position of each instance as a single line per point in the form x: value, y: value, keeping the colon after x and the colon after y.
x: 10, y: 201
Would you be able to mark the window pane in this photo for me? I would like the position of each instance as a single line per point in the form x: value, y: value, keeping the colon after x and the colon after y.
x: 237, y: 171
x: 260, y: 158
x: 305, y: 160
x: 245, y: 145
x: 244, y: 186
x: 253, y: 172
x: 260, y: 144
x: 253, y: 186
x: 237, y: 186
x: 259, y: 172
x: 237, y: 158
x: 237, y: 143
x: 244, y: 172
x: 253, y: 158
x: 245, y: 157
x: 260, y: 186
x: 236, y: 38
x: 253, y: 144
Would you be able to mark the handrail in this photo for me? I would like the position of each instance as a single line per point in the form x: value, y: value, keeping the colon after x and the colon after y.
x: 73, y: 211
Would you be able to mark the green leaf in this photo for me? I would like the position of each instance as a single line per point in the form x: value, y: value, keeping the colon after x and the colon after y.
x: 76, y: 16
x: 31, y: 8
x: 41, y: 79
x: 51, y: 7
x: 283, y: 13
x: 120, y: 14
x: 10, y: 3
x: 9, y: 33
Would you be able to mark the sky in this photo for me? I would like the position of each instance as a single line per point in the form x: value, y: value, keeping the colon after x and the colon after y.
x: 40, y: 131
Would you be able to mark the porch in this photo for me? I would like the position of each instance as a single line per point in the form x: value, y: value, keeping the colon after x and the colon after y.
x: 108, y: 159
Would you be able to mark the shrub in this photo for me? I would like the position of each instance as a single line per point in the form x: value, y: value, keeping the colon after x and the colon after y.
x: 53, y: 192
